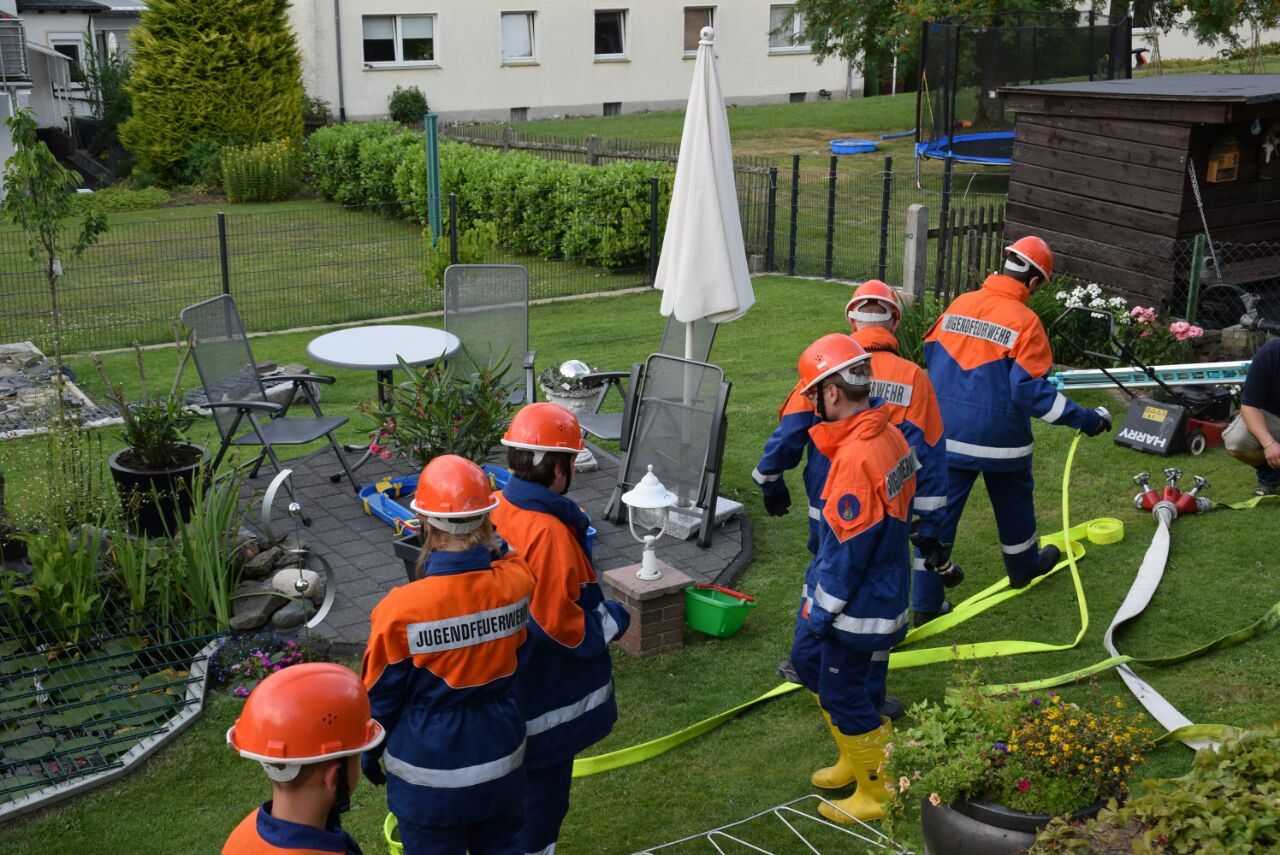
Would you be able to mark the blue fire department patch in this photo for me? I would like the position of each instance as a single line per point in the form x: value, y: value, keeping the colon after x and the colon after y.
x: 848, y: 507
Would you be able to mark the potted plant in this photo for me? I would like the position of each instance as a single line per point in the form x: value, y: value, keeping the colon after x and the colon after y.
x: 573, y: 385
x: 155, y: 472
x: 989, y: 772
x: 440, y: 409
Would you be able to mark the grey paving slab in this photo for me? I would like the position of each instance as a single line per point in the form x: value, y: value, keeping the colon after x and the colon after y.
x: 359, y: 546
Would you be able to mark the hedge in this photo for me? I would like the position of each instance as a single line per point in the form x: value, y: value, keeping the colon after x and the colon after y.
x: 546, y: 208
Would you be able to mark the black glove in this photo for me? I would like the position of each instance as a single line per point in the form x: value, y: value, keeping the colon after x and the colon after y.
x: 777, y: 498
x: 371, y: 765
x: 1104, y: 422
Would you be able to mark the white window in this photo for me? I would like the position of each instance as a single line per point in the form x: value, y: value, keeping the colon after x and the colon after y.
x: 786, y: 36
x: 107, y: 41
x: 517, y: 37
x: 695, y: 18
x: 611, y: 34
x: 399, y: 39
x: 70, y: 45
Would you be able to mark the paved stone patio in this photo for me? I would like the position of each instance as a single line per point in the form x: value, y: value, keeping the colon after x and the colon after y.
x: 359, y: 546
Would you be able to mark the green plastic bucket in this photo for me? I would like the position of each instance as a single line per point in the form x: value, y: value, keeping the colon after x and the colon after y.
x: 716, y: 611
x: 391, y: 831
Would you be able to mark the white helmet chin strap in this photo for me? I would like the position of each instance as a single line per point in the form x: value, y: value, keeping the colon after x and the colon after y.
x: 282, y: 773
x: 456, y: 526
x: 870, y: 317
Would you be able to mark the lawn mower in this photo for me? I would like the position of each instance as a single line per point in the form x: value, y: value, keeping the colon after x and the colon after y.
x: 1195, y: 413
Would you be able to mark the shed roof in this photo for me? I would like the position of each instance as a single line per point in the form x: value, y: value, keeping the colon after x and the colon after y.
x: 1237, y: 88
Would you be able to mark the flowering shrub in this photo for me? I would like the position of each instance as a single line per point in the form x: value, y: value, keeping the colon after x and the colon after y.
x: 1155, y: 342
x: 264, y: 172
x: 442, y: 409
x: 1036, y: 753
x: 243, y: 661
x: 1152, y: 340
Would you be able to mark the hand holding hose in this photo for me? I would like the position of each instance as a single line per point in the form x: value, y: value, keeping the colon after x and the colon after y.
x: 1102, y: 425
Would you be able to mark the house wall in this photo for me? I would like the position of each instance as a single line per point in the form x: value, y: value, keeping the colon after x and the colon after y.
x: 1178, y: 45
x: 7, y: 107
x: 469, y: 81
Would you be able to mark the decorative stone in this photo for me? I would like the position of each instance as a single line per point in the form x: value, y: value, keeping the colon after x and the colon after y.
x: 296, y: 613
x: 252, y: 604
x: 261, y: 565
x: 292, y: 547
x: 285, y: 581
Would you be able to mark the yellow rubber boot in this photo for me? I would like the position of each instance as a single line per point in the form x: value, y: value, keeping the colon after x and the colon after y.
x: 865, y: 753
x: 837, y: 776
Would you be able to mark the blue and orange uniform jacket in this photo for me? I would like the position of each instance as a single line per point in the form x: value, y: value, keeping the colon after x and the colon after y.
x: 989, y: 359
x: 907, y: 393
x: 439, y: 667
x: 565, y: 682
x: 858, y: 586
x: 260, y: 833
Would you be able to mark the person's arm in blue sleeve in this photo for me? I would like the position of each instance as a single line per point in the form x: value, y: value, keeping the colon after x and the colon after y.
x: 1032, y: 392
x: 839, y: 568
x: 930, y: 503
x: 783, y: 450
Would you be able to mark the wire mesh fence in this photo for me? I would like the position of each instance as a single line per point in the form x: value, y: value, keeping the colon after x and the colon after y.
x: 73, y: 711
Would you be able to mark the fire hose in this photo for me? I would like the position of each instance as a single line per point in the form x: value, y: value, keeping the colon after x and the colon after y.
x: 1165, y: 506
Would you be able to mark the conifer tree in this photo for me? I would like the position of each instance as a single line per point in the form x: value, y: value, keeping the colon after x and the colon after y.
x: 211, y: 71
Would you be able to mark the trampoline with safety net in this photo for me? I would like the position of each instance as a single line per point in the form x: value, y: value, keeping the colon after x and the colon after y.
x: 964, y: 61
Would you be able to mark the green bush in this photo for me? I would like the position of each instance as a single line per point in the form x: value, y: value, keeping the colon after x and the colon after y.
x: 597, y: 215
x: 111, y: 199
x: 1226, y: 804
x: 407, y: 105
x: 333, y: 156
x: 203, y: 166
x: 228, y: 71
x: 265, y: 172
x: 475, y: 246
x: 378, y: 160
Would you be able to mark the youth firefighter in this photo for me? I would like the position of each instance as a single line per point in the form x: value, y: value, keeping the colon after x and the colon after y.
x: 1253, y: 434
x: 856, y: 592
x: 565, y: 685
x: 439, y: 667
x: 306, y: 725
x: 874, y: 314
x: 989, y: 359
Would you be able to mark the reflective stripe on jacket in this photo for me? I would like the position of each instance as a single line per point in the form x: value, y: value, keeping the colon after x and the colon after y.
x: 989, y: 360
x: 439, y: 666
x: 858, y: 585
x: 565, y: 682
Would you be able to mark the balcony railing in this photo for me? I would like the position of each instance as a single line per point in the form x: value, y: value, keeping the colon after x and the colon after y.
x: 13, y: 52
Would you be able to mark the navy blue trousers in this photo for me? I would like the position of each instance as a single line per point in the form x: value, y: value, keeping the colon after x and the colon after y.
x: 546, y: 802
x: 841, y: 678
x: 1012, y: 499
x: 496, y: 835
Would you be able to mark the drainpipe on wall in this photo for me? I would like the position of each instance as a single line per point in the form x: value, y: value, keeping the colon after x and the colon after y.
x: 337, y: 37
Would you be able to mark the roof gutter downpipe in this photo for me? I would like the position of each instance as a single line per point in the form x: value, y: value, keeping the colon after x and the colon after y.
x: 337, y: 38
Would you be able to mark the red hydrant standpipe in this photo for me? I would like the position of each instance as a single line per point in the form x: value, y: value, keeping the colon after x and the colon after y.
x: 1175, y: 500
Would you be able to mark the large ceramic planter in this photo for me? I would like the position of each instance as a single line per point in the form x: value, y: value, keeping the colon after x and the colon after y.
x: 984, y: 828
x: 153, y: 501
x: 576, y: 401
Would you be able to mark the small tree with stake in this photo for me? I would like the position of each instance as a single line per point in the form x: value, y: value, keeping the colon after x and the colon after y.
x: 38, y: 196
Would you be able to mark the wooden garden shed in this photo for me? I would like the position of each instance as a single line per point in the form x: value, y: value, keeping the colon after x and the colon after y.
x: 1101, y: 171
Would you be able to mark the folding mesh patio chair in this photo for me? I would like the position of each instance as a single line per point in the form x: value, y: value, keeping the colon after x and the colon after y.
x: 678, y: 427
x: 612, y: 426
x: 241, y: 410
x: 487, y: 307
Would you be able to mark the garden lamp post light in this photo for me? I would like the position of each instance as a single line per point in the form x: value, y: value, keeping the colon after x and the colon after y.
x: 651, y: 503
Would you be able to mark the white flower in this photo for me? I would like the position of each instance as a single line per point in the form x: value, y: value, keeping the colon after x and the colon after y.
x: 1097, y: 303
x: 1060, y: 296
x: 1094, y: 289
x: 1073, y: 301
x: 1118, y: 302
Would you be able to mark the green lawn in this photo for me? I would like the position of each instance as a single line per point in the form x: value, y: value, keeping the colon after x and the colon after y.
x: 1219, y: 579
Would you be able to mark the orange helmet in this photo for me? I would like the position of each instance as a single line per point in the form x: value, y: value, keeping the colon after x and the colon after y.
x: 304, y: 714
x: 1032, y: 251
x: 544, y: 427
x: 831, y: 354
x: 873, y: 290
x: 451, y: 491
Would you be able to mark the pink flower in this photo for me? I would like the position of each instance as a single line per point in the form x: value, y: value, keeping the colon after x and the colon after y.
x: 374, y: 448
x: 904, y: 783
x: 1179, y: 329
x: 1024, y: 785
x: 934, y: 800
x: 385, y: 453
x: 241, y: 692
x: 1194, y: 331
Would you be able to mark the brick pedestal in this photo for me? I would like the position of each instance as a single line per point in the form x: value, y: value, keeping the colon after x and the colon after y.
x: 656, y: 608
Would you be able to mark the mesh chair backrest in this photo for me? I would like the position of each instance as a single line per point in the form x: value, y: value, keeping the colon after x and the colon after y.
x: 223, y: 357
x: 675, y: 414
x: 487, y: 307
x: 674, y: 339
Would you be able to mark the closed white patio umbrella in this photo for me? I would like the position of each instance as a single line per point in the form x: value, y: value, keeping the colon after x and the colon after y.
x: 703, y: 269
